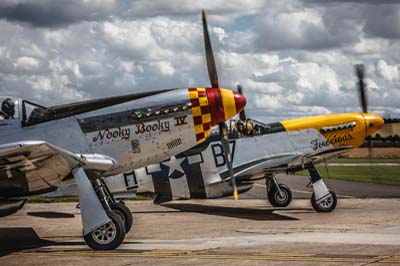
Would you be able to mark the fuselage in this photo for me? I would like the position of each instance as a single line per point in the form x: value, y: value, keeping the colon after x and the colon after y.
x: 289, y: 144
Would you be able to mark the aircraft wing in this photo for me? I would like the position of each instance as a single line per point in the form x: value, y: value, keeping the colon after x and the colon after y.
x: 285, y: 162
x: 37, y: 165
x: 263, y: 166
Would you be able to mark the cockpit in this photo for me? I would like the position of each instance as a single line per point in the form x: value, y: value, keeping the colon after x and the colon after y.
x: 238, y: 128
x: 30, y: 113
x: 250, y: 127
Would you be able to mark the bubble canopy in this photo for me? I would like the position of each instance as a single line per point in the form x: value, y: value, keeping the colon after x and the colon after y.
x: 33, y: 113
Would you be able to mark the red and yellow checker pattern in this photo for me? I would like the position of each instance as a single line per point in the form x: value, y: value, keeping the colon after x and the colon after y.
x: 201, y: 113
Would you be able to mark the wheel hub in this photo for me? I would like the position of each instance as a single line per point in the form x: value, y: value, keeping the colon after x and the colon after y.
x: 281, y: 198
x: 326, y: 203
x: 105, y: 234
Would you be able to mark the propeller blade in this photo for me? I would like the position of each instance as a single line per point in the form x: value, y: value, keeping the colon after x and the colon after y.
x: 360, y: 72
x: 228, y: 156
x: 242, y: 114
x: 212, y: 70
x: 212, y: 73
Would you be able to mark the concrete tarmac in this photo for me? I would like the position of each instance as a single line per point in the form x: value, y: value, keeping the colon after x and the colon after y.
x: 213, y: 232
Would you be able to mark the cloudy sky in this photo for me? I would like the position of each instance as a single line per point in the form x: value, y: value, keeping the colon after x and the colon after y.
x: 293, y: 58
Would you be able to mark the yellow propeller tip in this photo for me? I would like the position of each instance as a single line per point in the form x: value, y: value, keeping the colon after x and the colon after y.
x: 235, y: 194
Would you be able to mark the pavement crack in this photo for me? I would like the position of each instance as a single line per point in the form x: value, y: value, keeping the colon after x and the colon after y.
x: 143, y: 261
x: 378, y: 259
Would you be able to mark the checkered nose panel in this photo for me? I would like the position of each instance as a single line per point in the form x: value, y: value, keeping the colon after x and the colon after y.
x: 201, y: 113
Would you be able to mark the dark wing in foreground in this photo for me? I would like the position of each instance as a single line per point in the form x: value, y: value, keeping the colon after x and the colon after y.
x: 33, y: 167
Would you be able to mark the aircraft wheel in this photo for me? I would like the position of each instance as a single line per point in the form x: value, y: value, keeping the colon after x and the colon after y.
x: 108, y: 236
x: 276, y: 199
x: 124, y: 212
x: 327, y: 205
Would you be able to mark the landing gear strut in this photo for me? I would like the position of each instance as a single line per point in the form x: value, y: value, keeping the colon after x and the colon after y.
x: 279, y: 195
x: 323, y: 199
x: 117, y: 207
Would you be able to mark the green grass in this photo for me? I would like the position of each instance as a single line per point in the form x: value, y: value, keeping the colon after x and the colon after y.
x: 140, y: 197
x: 40, y: 199
x: 386, y: 175
x: 360, y: 160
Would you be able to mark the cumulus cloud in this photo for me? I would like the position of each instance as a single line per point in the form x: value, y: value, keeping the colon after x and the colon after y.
x: 293, y: 58
x: 374, y: 18
x: 26, y: 62
x: 388, y: 72
x: 295, y: 30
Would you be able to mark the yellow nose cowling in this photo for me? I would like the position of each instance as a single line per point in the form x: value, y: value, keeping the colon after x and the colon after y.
x: 373, y: 123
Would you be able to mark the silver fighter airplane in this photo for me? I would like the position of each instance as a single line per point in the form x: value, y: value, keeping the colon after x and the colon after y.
x: 42, y: 146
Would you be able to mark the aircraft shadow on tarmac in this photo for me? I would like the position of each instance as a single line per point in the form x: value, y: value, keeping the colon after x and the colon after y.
x: 13, y: 239
x: 51, y: 214
x: 235, y: 212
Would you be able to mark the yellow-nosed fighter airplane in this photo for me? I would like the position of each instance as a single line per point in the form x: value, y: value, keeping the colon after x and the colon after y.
x: 42, y: 146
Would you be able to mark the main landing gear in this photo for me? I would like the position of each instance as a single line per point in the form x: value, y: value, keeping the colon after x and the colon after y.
x: 105, y: 221
x: 279, y: 195
x: 323, y: 199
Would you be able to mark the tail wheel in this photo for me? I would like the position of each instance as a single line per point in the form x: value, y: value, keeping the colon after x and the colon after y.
x: 278, y: 200
x: 108, y: 236
x: 327, y: 205
x: 124, y: 212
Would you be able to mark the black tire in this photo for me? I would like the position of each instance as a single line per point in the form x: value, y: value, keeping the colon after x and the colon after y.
x: 111, y: 237
x: 275, y: 198
x: 326, y: 205
x: 124, y: 212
